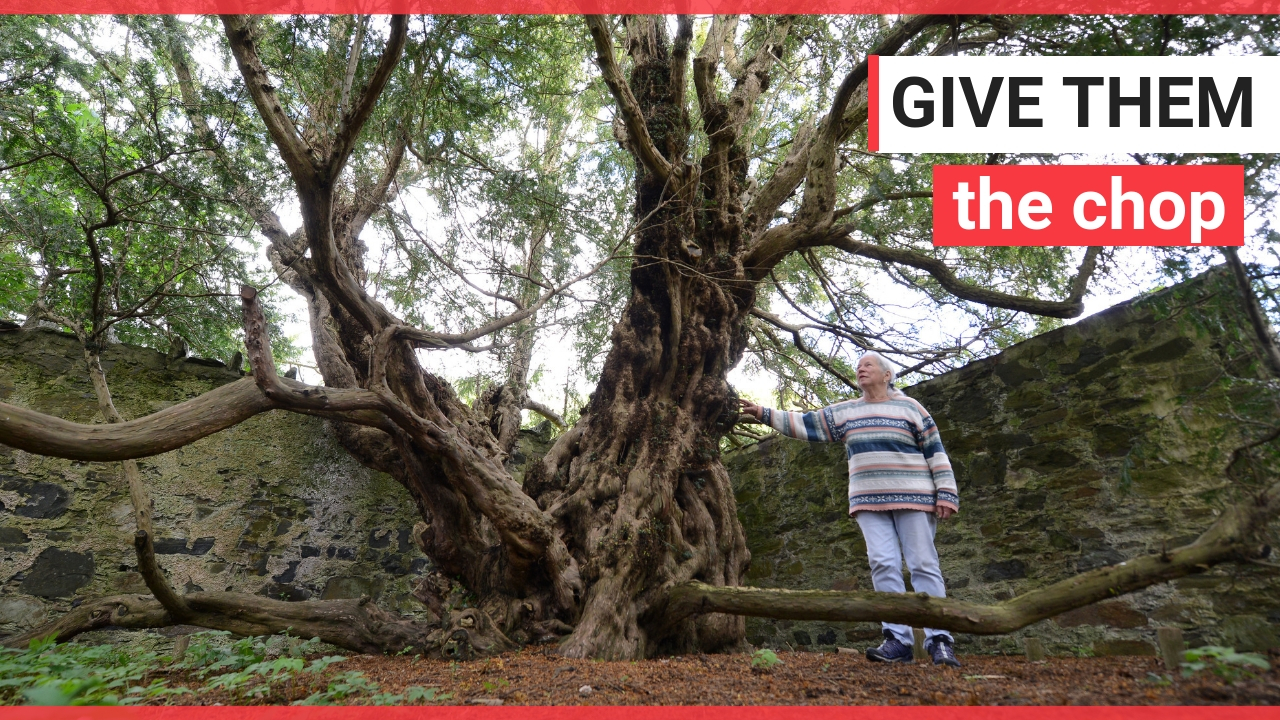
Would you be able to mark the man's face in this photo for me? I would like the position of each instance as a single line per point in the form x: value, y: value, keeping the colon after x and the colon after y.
x: 870, y: 374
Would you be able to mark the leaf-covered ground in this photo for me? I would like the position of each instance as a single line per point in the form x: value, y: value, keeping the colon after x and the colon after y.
x: 540, y: 678
x: 218, y: 669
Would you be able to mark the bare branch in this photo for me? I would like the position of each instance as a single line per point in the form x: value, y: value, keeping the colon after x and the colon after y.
x: 802, y: 346
x: 820, y: 176
x: 1261, y: 327
x: 160, y: 432
x: 1071, y: 307
x: 719, y: 36
x: 546, y: 412
x: 377, y: 196
x: 876, y: 200
x: 28, y: 161
x: 781, y: 241
x: 353, y: 62
x: 354, y: 120
x: 680, y: 58
x: 755, y: 75
x: 291, y: 395
x: 239, y: 31
x: 154, y: 577
x: 638, y: 132
x: 802, y: 165
x: 357, y: 625
x: 783, y: 182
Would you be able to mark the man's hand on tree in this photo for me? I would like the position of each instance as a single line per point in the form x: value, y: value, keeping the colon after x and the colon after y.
x: 751, y: 408
x: 943, y: 512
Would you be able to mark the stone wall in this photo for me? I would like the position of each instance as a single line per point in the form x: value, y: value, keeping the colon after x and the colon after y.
x: 272, y: 506
x: 1079, y: 448
x: 1084, y: 446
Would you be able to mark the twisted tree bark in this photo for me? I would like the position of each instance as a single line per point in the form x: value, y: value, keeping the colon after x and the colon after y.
x: 624, y: 540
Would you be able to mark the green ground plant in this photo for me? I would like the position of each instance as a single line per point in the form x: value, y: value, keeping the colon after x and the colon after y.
x: 251, y: 669
x: 764, y: 659
x: 1224, y: 662
x: 47, y: 673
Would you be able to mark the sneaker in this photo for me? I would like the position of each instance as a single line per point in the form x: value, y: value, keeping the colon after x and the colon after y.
x: 942, y: 653
x: 890, y: 651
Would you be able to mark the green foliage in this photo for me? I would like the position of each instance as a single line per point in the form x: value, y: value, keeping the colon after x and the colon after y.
x: 1224, y: 662
x: 353, y: 685
x: 249, y: 669
x: 48, y: 673
x: 764, y: 659
x: 116, y: 225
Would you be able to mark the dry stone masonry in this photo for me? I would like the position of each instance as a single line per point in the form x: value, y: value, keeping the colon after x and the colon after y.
x: 273, y: 506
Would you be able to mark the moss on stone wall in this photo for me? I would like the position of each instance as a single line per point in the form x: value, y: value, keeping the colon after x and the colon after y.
x: 272, y: 506
x: 1078, y: 448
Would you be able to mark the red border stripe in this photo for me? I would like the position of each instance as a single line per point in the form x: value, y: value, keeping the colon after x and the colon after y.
x: 873, y: 103
x: 646, y: 6
x: 641, y: 713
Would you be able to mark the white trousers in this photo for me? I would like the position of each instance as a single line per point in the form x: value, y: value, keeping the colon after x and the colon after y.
x: 891, y: 535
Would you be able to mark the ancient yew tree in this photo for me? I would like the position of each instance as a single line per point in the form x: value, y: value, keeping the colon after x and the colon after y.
x: 623, y: 541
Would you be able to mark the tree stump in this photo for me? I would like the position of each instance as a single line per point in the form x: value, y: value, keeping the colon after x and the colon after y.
x: 180, y: 647
x: 1034, y: 649
x: 917, y: 648
x: 1171, y: 647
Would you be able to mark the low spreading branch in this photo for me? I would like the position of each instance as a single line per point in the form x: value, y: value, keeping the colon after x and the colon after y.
x: 356, y: 625
x: 168, y: 429
x: 1233, y: 537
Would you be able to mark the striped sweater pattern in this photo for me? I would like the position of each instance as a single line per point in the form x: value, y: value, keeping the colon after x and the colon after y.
x: 896, y: 459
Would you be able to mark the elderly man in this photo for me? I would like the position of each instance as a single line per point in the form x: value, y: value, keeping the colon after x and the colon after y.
x: 900, y: 486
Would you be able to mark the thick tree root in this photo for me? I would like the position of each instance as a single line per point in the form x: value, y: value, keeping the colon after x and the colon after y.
x: 355, y: 625
x: 1230, y: 538
x: 134, y: 612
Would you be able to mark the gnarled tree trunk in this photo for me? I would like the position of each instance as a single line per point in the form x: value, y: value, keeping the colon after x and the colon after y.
x: 625, y: 537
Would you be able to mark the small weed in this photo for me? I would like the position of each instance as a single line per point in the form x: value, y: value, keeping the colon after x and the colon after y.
x: 1224, y: 662
x: 764, y: 659
x: 1159, y: 680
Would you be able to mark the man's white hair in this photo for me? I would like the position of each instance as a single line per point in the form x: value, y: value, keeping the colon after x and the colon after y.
x: 883, y: 362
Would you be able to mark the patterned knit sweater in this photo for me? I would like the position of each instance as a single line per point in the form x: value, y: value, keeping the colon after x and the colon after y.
x: 896, y: 460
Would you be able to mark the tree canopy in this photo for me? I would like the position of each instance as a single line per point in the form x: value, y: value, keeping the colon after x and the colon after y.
x: 653, y: 200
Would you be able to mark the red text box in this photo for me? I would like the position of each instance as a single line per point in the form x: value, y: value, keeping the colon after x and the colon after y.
x: 1088, y: 205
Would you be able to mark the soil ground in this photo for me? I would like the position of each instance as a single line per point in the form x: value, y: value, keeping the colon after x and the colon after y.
x: 539, y: 677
